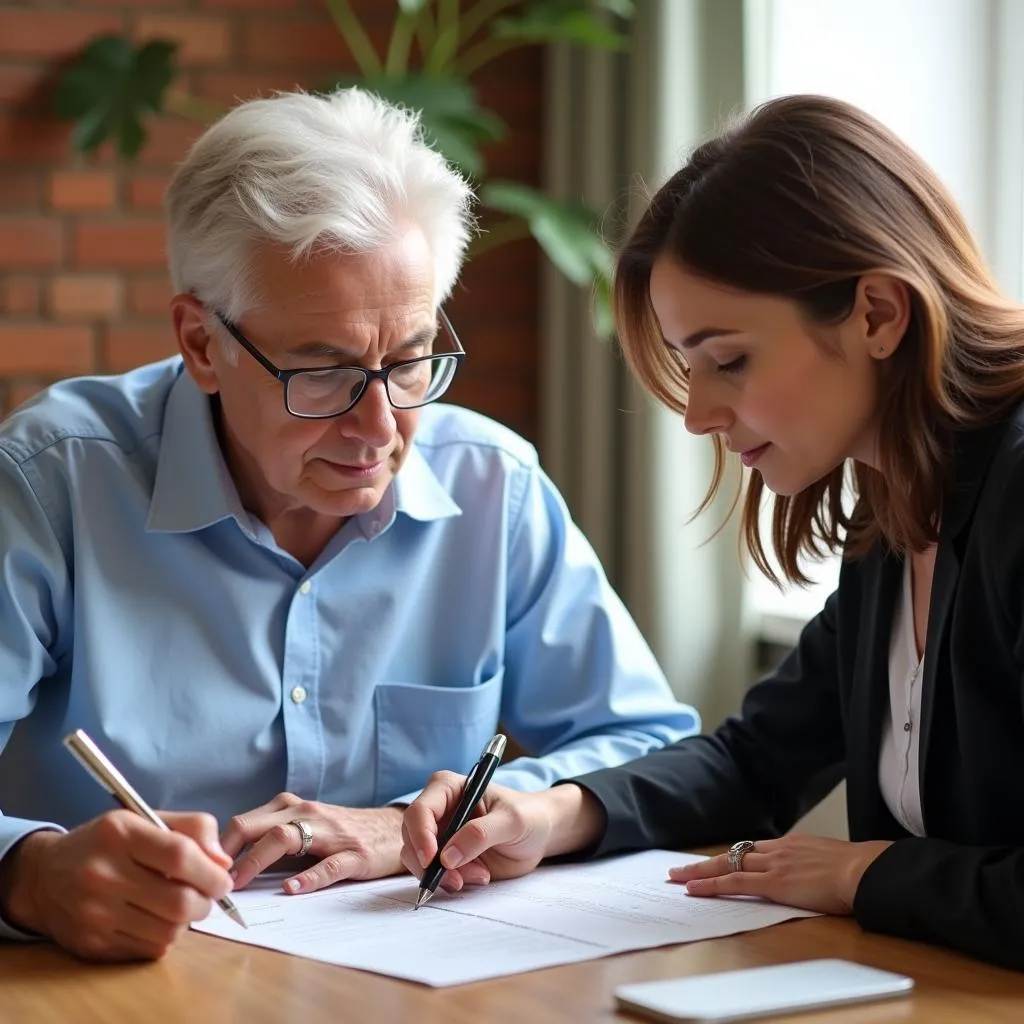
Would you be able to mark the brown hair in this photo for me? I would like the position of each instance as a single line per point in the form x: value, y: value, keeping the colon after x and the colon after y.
x: 798, y: 200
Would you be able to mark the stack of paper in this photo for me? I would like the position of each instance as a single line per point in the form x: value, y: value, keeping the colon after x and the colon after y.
x: 557, y: 915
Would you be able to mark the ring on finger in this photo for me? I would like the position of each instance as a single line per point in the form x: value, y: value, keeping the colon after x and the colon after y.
x: 737, y: 852
x: 306, y: 833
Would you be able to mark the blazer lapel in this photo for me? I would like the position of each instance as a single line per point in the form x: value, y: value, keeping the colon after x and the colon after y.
x: 869, y: 698
x: 947, y: 572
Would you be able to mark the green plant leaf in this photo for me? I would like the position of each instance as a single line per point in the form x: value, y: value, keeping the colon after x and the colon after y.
x: 412, y: 6
x: 130, y: 137
x: 453, y: 121
x: 110, y: 87
x: 621, y: 8
x: 153, y: 72
x: 91, y: 129
x: 604, y: 321
x: 563, y: 21
x: 567, y: 232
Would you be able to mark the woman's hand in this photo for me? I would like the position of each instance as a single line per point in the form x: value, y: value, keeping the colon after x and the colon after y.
x: 510, y: 835
x: 800, y: 871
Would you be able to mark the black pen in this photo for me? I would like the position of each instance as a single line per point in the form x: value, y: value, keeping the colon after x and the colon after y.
x: 476, y: 783
x: 100, y: 767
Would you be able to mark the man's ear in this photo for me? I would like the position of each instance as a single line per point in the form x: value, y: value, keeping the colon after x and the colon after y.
x: 196, y: 343
x: 881, y: 313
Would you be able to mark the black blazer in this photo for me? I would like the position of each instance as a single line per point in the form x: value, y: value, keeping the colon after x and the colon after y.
x: 819, y: 718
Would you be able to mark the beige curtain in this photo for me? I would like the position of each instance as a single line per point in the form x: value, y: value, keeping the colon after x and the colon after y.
x: 631, y: 474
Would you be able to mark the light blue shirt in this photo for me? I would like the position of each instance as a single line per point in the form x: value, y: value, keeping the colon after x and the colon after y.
x: 141, y: 602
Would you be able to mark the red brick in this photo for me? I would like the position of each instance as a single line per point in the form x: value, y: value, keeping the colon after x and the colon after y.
x: 33, y: 139
x: 28, y: 33
x: 123, y: 3
x: 30, y: 242
x: 229, y: 87
x: 19, y: 296
x: 168, y: 140
x: 146, y: 192
x: 294, y: 43
x: 126, y: 347
x: 201, y: 40
x: 149, y: 296
x: 19, y: 85
x: 250, y: 4
x: 19, y: 191
x: 20, y: 391
x: 45, y: 348
x: 130, y: 4
x: 128, y: 243
x: 85, y: 295
x: 82, y: 190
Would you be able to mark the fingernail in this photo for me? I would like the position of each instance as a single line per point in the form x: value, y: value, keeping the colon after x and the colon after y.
x: 452, y: 857
x: 292, y: 885
x: 421, y: 856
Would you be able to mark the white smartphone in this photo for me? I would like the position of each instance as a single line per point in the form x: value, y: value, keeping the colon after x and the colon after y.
x: 760, y: 991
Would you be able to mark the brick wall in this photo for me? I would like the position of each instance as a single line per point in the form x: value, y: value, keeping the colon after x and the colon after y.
x: 82, y: 284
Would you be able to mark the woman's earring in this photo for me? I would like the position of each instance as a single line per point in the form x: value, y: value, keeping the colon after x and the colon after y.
x: 881, y: 350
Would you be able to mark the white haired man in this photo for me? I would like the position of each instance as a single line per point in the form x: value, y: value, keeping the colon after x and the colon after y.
x: 271, y: 566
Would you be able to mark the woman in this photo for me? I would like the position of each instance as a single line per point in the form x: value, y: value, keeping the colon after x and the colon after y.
x: 805, y: 291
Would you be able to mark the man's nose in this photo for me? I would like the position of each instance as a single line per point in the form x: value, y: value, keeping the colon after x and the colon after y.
x: 372, y: 418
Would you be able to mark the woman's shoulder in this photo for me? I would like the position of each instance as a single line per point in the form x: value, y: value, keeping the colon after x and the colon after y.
x: 997, y: 515
x: 1003, y: 443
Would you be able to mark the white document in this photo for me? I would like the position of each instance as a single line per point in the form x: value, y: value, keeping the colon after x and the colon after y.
x: 557, y: 915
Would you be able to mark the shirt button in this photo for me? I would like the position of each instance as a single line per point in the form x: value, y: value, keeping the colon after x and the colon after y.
x: 298, y: 694
x: 306, y: 587
x: 906, y: 727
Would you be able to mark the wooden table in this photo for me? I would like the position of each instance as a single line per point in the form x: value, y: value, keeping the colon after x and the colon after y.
x: 213, y: 981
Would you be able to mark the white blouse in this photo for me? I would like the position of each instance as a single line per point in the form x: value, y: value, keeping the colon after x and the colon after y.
x: 898, y: 775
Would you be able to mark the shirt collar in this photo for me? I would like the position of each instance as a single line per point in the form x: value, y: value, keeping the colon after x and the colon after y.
x: 193, y: 487
x: 419, y: 494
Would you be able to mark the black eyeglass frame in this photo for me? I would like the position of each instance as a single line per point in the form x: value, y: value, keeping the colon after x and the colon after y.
x: 285, y: 376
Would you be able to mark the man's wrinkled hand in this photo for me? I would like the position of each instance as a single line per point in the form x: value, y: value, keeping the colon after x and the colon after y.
x: 117, y: 887
x: 349, y: 843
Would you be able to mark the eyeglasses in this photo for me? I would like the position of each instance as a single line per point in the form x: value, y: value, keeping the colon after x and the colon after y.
x: 324, y: 392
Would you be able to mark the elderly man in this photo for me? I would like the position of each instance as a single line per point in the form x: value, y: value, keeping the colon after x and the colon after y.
x: 271, y: 566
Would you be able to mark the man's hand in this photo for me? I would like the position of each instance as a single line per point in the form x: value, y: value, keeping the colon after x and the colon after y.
x: 801, y: 871
x: 117, y: 887
x: 349, y: 843
x: 510, y: 835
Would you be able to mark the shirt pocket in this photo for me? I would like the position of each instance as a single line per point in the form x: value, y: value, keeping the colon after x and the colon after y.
x: 421, y: 729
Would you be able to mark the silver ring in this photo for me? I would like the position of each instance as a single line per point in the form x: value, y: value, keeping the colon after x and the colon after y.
x: 737, y: 852
x: 307, y: 835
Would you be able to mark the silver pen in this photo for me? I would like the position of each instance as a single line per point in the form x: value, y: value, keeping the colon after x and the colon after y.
x: 99, y: 766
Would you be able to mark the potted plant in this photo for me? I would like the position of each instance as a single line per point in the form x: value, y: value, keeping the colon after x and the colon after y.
x: 113, y: 87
